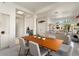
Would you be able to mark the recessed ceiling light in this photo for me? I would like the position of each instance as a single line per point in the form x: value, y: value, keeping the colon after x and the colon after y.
x: 20, y: 12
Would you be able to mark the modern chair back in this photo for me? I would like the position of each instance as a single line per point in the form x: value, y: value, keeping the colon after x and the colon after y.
x: 22, y: 43
x: 71, y: 45
x: 68, y: 48
x: 64, y: 37
x: 34, y: 48
x: 22, y: 46
x: 71, y: 49
x: 69, y: 39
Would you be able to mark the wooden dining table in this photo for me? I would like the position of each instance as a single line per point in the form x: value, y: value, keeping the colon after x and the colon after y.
x: 50, y: 43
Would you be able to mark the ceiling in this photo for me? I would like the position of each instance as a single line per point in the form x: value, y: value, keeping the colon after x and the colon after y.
x: 62, y: 9
x: 65, y: 9
x: 34, y: 6
x: 56, y: 9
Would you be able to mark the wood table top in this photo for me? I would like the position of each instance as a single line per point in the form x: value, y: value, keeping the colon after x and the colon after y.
x: 50, y: 43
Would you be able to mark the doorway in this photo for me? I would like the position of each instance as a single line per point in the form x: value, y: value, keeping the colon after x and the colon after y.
x: 19, y: 25
x: 41, y: 27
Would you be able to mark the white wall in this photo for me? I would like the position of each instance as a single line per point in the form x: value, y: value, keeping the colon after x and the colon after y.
x: 29, y: 22
x: 35, y: 18
x: 41, y: 27
x: 4, y: 26
x: 19, y: 26
x: 10, y: 9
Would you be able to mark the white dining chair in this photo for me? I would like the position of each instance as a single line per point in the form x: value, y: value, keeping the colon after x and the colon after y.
x: 65, y: 49
x: 68, y: 48
x: 35, y: 50
x: 23, y: 48
x: 63, y: 37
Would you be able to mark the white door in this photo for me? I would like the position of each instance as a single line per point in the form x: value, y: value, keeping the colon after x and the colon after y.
x: 19, y: 26
x: 4, y: 30
x: 41, y: 28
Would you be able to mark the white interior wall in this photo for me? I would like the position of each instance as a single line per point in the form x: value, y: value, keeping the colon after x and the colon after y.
x: 10, y: 9
x: 4, y: 26
x: 19, y: 26
x: 41, y: 28
x: 35, y: 18
x: 29, y: 22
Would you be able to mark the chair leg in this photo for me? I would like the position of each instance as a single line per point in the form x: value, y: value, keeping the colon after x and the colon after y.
x: 27, y: 52
x: 19, y: 51
x: 49, y: 53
